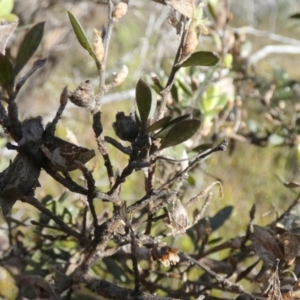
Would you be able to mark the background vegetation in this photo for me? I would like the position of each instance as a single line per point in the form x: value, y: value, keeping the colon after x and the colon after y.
x: 250, y: 98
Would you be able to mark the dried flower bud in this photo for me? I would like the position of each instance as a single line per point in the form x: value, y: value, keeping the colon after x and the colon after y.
x: 125, y: 127
x: 64, y: 96
x: 165, y: 254
x: 120, y: 10
x: 98, y: 45
x: 179, y: 215
x: 190, y: 43
x: 120, y: 77
x: 63, y: 155
x: 83, y: 96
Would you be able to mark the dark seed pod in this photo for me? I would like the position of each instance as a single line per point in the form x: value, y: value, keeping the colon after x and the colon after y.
x: 18, y: 180
x: 32, y: 130
x: 125, y: 127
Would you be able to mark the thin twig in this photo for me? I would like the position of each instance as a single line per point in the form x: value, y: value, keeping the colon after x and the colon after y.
x: 108, y: 290
x: 229, y: 286
x: 91, y: 190
x: 167, y: 90
x: 63, y: 226
x: 116, y: 144
x: 51, y: 127
x: 221, y: 147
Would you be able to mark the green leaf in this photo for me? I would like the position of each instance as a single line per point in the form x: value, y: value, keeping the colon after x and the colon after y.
x: 228, y: 59
x: 191, y: 180
x: 210, y: 98
x: 82, y: 38
x: 7, y: 76
x: 180, y: 132
x: 29, y: 45
x: 167, y: 128
x: 159, y: 124
x: 201, y: 58
x: 6, y: 6
x: 174, y: 93
x: 186, y: 89
x: 9, y: 17
x: 295, y: 16
x: 145, y: 101
x: 211, y: 7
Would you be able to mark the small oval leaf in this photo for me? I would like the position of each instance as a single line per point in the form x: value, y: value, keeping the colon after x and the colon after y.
x: 159, y: 124
x: 29, y: 45
x: 180, y: 132
x: 201, y: 58
x: 162, y: 133
x: 82, y: 38
x: 7, y: 76
x: 145, y: 101
x: 295, y: 16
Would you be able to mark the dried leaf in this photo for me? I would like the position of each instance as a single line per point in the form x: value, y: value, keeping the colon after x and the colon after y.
x: 190, y: 43
x: 274, y: 292
x: 291, y: 246
x: 5, y: 33
x: 120, y: 77
x: 266, y: 246
x: 120, y: 10
x: 29, y: 45
x: 185, y: 7
x: 98, y: 45
x: 166, y: 255
x: 63, y: 155
x: 179, y: 215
